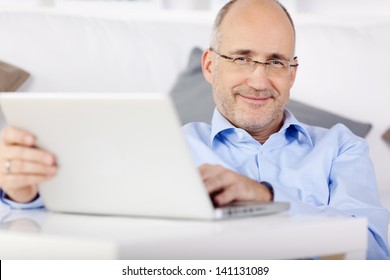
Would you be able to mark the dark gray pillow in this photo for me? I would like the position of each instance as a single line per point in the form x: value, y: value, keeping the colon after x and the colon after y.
x: 191, y: 93
x: 193, y: 99
x: 318, y: 117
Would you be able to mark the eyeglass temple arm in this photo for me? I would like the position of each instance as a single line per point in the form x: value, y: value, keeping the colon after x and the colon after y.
x: 295, y: 65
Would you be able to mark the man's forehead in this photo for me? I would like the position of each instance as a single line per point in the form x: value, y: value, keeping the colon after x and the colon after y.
x: 258, y: 34
x: 263, y: 16
x: 255, y: 7
x: 278, y: 45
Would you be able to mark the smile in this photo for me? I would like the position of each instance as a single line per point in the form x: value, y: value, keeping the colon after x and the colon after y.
x: 254, y: 99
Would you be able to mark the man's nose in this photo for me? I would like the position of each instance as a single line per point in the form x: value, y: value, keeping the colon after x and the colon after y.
x: 258, y: 78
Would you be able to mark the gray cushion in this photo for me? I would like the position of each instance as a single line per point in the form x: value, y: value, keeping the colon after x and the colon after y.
x: 192, y: 93
x: 192, y: 96
x: 318, y: 117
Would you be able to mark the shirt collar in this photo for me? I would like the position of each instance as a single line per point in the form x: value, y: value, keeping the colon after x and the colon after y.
x: 292, y: 128
x: 296, y: 129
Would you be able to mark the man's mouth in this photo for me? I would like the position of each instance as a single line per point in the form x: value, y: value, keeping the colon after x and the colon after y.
x: 259, y: 100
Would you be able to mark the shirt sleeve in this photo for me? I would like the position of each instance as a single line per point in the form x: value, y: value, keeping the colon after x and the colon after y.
x: 35, y: 204
x: 352, y: 192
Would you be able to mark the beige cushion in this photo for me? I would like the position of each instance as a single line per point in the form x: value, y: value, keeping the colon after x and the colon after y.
x: 11, y: 77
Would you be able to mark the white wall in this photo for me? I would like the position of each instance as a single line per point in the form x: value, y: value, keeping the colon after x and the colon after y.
x: 337, y: 7
x: 294, y: 6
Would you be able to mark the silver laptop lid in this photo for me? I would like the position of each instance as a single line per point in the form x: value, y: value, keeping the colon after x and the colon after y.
x: 118, y: 153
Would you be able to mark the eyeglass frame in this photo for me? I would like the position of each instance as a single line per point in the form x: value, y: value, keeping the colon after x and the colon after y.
x: 255, y: 62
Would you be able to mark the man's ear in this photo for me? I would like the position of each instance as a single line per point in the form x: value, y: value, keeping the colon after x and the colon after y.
x: 207, y: 66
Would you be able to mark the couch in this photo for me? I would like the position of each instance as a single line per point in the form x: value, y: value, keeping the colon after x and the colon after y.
x: 344, y: 61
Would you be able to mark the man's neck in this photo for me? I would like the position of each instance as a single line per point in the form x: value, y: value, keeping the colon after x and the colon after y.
x: 262, y: 135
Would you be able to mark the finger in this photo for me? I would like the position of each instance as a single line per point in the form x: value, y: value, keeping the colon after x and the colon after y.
x: 215, y: 183
x: 240, y: 191
x: 23, y: 195
x: 220, y: 179
x: 28, y: 154
x: 238, y: 188
x: 205, y: 170
x: 13, y: 135
x: 215, y: 177
x: 11, y: 182
x: 210, y: 170
x: 27, y: 167
x: 227, y: 196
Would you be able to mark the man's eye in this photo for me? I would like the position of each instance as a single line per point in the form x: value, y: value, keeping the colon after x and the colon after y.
x: 242, y: 60
x: 277, y: 63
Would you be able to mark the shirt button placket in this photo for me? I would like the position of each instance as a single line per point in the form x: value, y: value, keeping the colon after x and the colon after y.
x: 260, y: 157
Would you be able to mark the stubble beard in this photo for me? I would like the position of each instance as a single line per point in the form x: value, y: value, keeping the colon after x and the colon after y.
x: 250, y: 117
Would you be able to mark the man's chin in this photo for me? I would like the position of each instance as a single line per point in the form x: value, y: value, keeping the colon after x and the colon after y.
x: 253, y: 123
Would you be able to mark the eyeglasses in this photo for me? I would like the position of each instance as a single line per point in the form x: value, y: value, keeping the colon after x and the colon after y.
x: 274, y: 67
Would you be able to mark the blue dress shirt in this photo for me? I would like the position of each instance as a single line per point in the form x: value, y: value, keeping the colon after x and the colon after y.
x: 319, y: 171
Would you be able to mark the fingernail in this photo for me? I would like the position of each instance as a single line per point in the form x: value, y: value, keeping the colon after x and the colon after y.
x: 49, y: 159
x: 29, y: 140
x: 51, y: 170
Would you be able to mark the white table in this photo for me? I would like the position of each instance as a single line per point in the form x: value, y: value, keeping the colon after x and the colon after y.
x: 47, y: 235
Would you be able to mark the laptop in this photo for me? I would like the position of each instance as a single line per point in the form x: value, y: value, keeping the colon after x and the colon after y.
x: 118, y: 154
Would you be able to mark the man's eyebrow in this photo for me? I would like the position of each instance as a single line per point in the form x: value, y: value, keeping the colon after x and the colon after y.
x: 252, y: 53
x: 277, y: 56
x: 242, y: 52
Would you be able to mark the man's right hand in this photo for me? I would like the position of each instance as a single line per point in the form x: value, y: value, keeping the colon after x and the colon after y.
x: 22, y: 165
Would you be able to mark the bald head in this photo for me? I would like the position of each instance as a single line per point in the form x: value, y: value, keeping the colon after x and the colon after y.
x: 241, y: 8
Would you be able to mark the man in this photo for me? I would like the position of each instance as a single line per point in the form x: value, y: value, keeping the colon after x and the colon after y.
x: 254, y: 149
